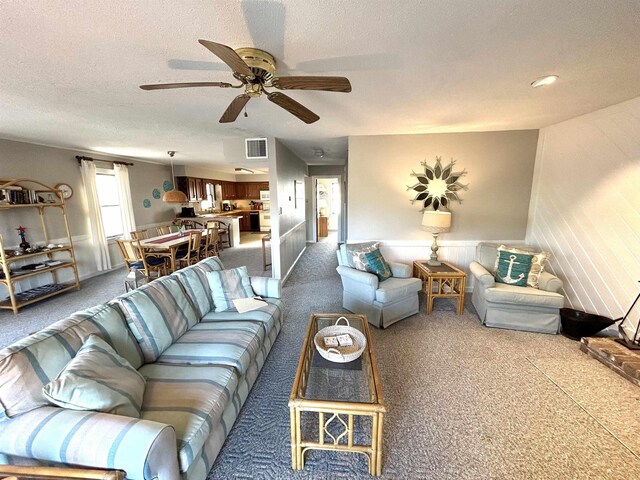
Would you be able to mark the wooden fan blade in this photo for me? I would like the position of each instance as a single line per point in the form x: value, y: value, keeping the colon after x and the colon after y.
x: 162, y: 86
x: 234, y: 108
x: 228, y: 56
x: 293, y: 107
x: 331, y: 84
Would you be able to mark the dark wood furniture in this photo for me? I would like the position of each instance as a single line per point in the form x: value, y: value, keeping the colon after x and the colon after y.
x: 323, y: 226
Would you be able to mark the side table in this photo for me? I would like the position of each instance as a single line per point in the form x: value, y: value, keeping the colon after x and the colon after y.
x: 443, y: 281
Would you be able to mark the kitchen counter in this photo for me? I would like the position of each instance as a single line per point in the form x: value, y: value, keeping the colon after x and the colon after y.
x: 238, y: 211
x: 232, y: 219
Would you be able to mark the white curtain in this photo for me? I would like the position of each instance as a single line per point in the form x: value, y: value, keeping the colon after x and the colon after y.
x: 126, y: 205
x: 98, y: 238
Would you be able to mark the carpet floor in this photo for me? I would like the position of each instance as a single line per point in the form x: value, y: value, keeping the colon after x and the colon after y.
x: 103, y: 288
x: 464, y: 401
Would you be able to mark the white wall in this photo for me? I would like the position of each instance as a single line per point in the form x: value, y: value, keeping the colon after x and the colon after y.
x: 288, y: 225
x: 585, y: 207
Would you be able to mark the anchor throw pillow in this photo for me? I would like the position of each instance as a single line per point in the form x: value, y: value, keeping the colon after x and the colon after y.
x: 538, y: 261
x: 513, y: 268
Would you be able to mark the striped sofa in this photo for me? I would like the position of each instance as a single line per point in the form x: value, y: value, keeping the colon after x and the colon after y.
x: 199, y: 367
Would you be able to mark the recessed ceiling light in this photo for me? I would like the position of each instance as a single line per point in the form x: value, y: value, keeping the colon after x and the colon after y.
x: 319, y: 153
x: 542, y: 81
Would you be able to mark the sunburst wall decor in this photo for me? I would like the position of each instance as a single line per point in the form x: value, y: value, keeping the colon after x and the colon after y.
x: 438, y: 185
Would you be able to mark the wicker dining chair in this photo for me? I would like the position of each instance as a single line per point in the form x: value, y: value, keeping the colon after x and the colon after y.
x: 135, y: 258
x: 210, y: 244
x: 166, y: 229
x: 191, y: 254
x: 140, y: 234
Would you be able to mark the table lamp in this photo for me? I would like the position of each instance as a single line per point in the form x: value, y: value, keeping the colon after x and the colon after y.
x: 436, y: 222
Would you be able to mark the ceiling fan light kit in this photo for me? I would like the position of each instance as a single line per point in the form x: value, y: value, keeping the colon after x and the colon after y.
x: 255, y: 69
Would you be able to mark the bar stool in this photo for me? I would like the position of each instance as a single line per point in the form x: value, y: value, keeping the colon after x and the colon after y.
x: 225, y: 236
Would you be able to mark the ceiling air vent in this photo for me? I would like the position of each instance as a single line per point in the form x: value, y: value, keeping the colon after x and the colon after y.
x: 256, y: 148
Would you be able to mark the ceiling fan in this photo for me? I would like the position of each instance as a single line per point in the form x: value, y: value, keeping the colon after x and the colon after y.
x: 255, y: 70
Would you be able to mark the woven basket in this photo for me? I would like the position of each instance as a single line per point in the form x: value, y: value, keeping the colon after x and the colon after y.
x: 341, y: 354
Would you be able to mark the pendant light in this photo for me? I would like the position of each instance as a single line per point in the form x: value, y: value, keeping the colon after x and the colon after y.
x: 174, y: 196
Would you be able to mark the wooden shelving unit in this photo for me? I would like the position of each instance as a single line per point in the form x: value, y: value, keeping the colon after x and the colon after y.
x: 41, y: 198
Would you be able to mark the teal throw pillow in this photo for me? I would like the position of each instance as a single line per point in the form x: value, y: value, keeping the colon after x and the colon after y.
x: 98, y: 379
x: 376, y: 264
x: 513, y: 268
x: 228, y: 285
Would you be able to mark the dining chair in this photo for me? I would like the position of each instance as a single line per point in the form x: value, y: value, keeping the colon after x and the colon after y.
x: 140, y: 234
x: 136, y: 259
x: 210, y: 245
x: 166, y: 229
x: 191, y: 254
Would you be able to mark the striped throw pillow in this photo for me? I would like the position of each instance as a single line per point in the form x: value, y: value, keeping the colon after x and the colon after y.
x: 227, y: 285
x: 158, y: 313
x: 98, y: 379
x: 266, y: 286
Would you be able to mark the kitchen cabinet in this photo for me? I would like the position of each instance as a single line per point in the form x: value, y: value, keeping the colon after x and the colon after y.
x: 200, y: 193
x: 245, y: 222
x: 228, y: 190
x: 196, y: 188
x: 241, y: 190
x: 250, y: 190
x: 253, y: 190
x: 191, y: 187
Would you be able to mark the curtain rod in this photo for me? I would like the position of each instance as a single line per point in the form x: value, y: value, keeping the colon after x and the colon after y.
x: 80, y: 158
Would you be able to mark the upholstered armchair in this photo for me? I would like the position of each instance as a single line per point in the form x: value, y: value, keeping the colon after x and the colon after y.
x: 508, y: 306
x: 384, y: 303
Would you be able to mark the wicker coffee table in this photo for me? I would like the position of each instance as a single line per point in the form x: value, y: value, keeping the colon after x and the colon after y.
x: 336, y: 406
x: 443, y: 281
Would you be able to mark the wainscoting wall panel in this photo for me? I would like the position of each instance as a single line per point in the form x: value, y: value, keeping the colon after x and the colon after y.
x: 291, y: 246
x: 458, y: 252
x: 585, y: 207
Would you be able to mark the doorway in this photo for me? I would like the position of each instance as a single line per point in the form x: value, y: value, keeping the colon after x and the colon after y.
x: 328, y: 208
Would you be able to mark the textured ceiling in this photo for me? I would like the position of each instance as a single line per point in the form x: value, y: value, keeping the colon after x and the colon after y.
x: 71, y: 70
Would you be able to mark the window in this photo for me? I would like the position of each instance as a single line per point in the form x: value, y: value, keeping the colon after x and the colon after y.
x: 107, y: 190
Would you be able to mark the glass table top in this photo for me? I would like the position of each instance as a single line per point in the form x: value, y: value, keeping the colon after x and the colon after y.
x: 346, y: 382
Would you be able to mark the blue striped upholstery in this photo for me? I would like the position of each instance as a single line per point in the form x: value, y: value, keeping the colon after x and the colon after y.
x: 98, y: 379
x: 29, y: 364
x: 270, y: 316
x: 55, y: 434
x: 192, y: 399
x: 228, y: 285
x: 235, y: 344
x: 210, y: 264
x: 266, y: 286
x: 158, y: 314
x: 194, y: 281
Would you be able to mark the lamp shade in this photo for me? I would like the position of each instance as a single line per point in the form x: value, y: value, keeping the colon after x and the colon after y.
x: 174, y: 196
x: 436, y: 221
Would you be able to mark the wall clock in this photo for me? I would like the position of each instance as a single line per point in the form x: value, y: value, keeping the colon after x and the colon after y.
x: 67, y: 191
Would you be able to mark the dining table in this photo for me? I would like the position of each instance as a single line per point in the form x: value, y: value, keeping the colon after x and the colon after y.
x: 168, y: 243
